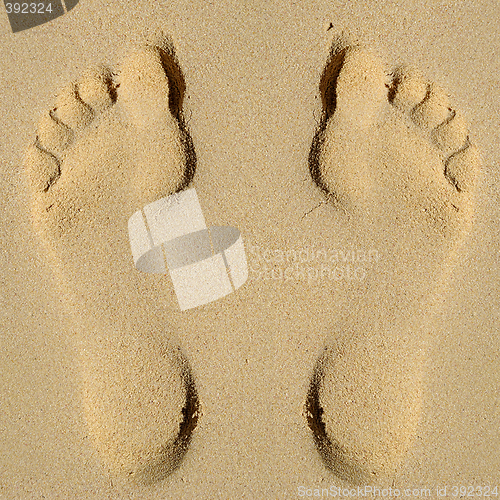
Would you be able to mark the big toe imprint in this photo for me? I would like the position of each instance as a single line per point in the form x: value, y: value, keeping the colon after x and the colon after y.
x: 398, y: 162
x: 113, y: 143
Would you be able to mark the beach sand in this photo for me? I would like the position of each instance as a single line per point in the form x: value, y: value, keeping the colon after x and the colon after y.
x: 412, y: 401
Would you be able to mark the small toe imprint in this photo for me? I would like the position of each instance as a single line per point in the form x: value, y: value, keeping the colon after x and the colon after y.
x: 71, y: 110
x: 409, y: 89
x: 96, y: 88
x: 461, y: 168
x: 433, y: 110
x: 451, y: 135
x: 53, y: 135
x: 42, y: 167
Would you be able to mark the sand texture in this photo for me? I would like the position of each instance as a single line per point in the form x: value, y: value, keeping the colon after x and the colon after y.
x: 355, y: 148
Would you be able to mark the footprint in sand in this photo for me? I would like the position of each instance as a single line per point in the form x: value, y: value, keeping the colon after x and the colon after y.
x: 112, y: 144
x: 396, y: 161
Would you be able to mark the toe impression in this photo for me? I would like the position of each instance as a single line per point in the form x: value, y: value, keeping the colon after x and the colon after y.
x: 360, y: 89
x: 433, y: 110
x: 53, y: 135
x: 462, y: 167
x: 451, y: 135
x: 96, y: 88
x: 409, y: 89
x: 144, y: 89
x: 42, y: 168
x: 71, y: 110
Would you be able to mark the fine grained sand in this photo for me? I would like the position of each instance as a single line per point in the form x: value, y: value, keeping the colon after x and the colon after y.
x: 252, y: 356
x: 139, y: 397
x: 401, y: 172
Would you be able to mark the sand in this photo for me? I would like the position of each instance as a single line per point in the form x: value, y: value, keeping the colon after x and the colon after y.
x: 397, y: 349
